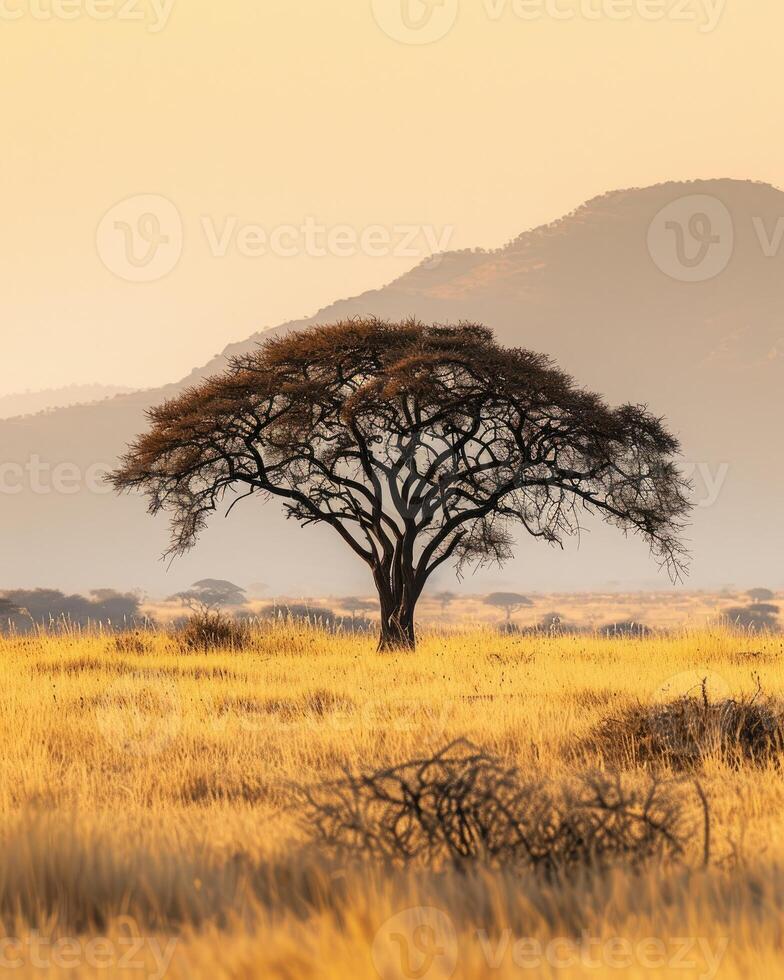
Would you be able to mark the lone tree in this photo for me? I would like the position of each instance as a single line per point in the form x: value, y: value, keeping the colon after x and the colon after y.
x: 356, y: 604
x: 510, y: 602
x: 760, y: 595
x: 417, y: 444
x: 445, y: 600
x: 210, y: 594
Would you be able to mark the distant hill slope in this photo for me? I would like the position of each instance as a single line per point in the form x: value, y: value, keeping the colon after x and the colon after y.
x: 32, y: 402
x: 585, y: 289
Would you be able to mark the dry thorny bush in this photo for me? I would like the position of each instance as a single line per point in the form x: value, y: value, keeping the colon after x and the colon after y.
x: 462, y: 806
x: 684, y: 732
x: 205, y: 631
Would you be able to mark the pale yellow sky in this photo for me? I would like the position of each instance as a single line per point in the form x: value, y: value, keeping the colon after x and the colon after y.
x: 319, y: 123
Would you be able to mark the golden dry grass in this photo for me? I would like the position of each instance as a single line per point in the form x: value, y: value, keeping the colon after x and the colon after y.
x: 144, y: 794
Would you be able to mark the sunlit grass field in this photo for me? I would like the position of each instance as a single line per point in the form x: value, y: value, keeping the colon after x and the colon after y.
x: 148, y: 822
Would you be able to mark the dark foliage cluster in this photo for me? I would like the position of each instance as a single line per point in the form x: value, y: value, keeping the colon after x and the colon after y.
x: 682, y: 733
x: 321, y: 617
x: 554, y: 624
x: 30, y: 609
x: 626, y: 630
x: 211, y: 593
x: 462, y: 806
x: 759, y: 617
x: 207, y: 630
x: 761, y: 595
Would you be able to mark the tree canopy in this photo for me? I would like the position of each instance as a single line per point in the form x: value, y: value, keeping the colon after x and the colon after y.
x: 211, y: 593
x: 510, y: 602
x: 418, y: 444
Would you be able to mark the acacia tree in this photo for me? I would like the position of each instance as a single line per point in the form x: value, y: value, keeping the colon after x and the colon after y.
x: 761, y: 595
x: 418, y: 445
x: 211, y: 593
x: 356, y: 604
x: 510, y: 602
x: 445, y: 600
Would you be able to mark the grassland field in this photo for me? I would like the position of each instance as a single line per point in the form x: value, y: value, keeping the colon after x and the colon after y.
x: 147, y: 824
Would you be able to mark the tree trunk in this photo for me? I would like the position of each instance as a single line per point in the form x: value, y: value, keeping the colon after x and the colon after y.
x: 398, y: 602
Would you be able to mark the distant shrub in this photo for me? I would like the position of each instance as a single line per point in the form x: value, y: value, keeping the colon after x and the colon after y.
x: 552, y: 624
x: 462, y: 806
x: 213, y: 631
x: 301, y: 613
x: 760, y: 617
x: 684, y: 732
x: 318, y: 617
x: 627, y: 629
x: 51, y: 609
x: 7, y: 608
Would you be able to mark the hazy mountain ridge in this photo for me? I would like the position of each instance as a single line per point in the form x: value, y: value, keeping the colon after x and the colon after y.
x: 33, y: 402
x: 585, y: 290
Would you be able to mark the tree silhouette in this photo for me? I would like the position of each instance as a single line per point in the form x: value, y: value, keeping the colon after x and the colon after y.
x: 210, y: 594
x: 356, y: 604
x: 418, y: 445
x: 510, y: 602
x: 445, y: 600
x: 761, y: 595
